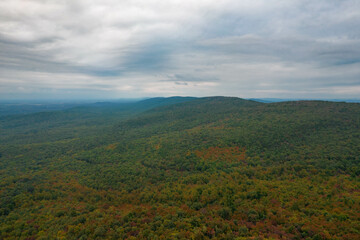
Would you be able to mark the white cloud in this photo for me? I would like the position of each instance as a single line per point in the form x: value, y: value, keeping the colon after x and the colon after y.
x: 239, y: 48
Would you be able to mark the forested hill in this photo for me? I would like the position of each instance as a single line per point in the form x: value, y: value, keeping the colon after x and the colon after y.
x: 182, y: 168
x: 86, y: 120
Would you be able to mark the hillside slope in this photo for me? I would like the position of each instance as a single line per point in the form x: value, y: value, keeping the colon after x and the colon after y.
x: 207, y: 168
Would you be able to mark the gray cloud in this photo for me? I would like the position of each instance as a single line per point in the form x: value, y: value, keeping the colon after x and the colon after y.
x: 261, y: 48
x: 317, y: 51
x: 188, y: 78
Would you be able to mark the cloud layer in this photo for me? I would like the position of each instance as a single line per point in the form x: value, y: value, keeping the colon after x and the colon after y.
x: 110, y: 48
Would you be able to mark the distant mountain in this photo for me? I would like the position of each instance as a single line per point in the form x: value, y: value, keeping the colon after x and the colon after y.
x: 270, y: 100
x: 23, y: 107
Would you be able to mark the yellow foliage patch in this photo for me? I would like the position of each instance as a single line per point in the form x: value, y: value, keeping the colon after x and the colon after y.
x: 229, y: 154
x: 111, y: 147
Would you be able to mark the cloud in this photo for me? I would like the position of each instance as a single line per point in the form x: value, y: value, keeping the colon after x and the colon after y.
x: 257, y: 48
x: 189, y: 78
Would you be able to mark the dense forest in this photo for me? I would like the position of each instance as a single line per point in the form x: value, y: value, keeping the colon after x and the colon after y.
x: 182, y: 168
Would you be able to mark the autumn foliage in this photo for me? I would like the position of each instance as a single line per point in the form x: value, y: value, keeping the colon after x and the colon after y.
x: 211, y: 168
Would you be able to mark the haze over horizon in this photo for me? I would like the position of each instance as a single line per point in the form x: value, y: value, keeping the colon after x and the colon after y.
x: 77, y: 49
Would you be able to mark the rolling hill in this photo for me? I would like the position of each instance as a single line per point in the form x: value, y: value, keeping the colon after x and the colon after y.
x: 182, y: 168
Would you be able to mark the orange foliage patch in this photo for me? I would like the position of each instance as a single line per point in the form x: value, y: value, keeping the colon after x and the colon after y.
x: 111, y: 147
x: 228, y: 154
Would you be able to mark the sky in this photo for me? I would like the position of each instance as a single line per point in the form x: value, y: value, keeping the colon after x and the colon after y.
x: 91, y: 49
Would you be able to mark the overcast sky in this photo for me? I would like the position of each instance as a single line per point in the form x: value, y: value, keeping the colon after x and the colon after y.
x: 146, y: 48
